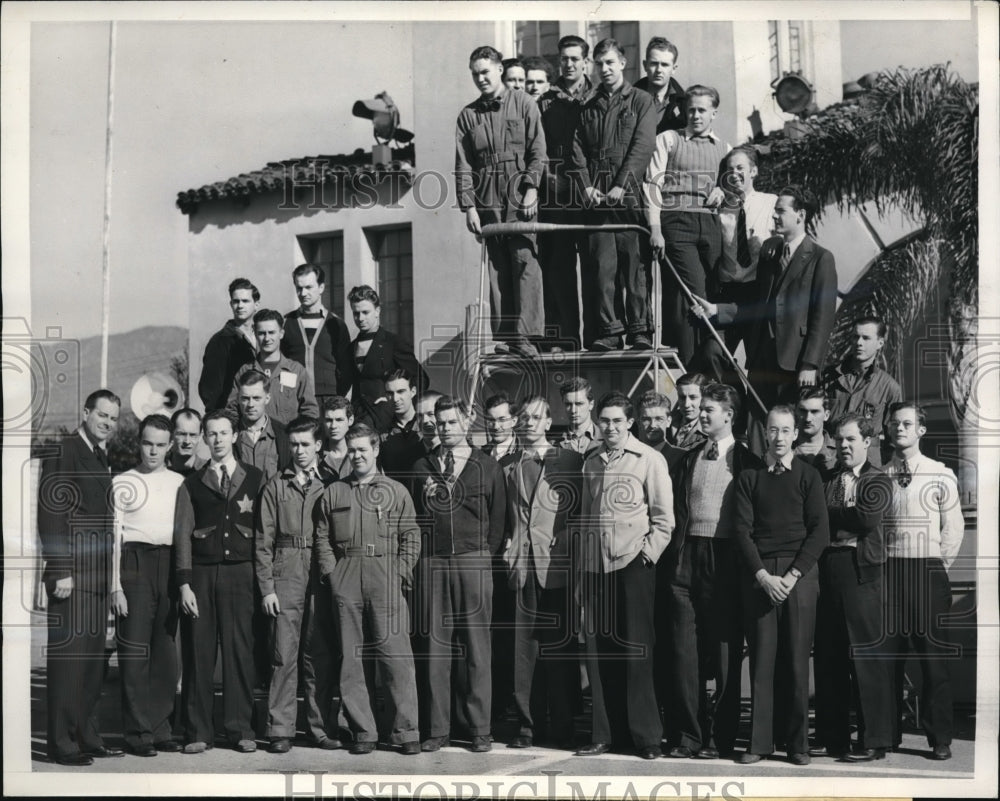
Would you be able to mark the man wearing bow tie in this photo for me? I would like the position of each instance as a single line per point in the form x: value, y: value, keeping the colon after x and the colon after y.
x: 781, y: 528
x: 214, y: 552
x: 75, y: 526
x: 923, y: 533
x: 790, y: 311
x: 499, y: 158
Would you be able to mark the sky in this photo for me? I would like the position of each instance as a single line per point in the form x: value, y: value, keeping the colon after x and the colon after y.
x: 197, y: 102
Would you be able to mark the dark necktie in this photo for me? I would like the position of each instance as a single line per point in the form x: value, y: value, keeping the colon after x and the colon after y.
x: 449, y: 464
x: 742, y: 243
x: 786, y: 257
x: 224, y: 480
x: 779, y: 468
x: 102, y: 457
x: 904, y: 476
x: 713, y: 452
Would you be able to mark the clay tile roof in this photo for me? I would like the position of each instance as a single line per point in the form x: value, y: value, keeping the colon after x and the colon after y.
x: 321, y: 169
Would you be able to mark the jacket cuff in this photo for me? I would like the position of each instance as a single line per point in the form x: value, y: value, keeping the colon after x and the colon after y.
x: 266, y: 587
x: 185, y: 576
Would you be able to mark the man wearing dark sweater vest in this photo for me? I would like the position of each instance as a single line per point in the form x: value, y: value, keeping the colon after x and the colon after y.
x: 214, y: 552
x: 460, y: 496
x: 318, y: 338
x: 781, y: 528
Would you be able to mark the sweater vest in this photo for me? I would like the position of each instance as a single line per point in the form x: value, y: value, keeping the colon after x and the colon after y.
x: 692, y: 172
x: 223, y: 530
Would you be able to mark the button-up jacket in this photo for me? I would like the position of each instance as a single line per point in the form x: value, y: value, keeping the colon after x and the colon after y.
x: 290, y: 387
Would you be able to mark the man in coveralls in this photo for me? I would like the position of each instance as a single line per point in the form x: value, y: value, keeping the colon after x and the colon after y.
x: 367, y: 543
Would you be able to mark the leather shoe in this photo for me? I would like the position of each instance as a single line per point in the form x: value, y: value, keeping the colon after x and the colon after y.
x: 411, y: 748
x: 522, y: 347
x: 607, y: 343
x: 481, y: 743
x: 280, y: 745
x: 866, y: 755
x: 801, y: 758
x: 680, y: 752
x: 434, y: 744
x: 642, y: 342
x: 168, y: 746
x: 594, y: 749
x: 246, y: 746
x: 650, y: 752
x: 825, y: 751
x: 746, y: 758
x: 328, y: 744
x: 195, y: 748
x: 143, y: 750
x: 103, y: 752
x: 708, y: 752
x: 941, y: 752
x: 74, y: 760
x: 363, y: 748
x: 521, y: 741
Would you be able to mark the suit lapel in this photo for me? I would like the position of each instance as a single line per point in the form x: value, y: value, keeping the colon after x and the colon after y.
x: 373, y: 358
x: 801, y: 257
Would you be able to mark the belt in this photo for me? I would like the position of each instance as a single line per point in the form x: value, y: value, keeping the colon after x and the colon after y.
x: 608, y: 152
x: 293, y: 542
x: 367, y: 550
x: 143, y: 546
x: 498, y: 158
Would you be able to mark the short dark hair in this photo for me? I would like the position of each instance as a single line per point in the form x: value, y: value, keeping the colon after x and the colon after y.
x: 336, y: 403
x: 692, y: 379
x: 359, y: 430
x: 218, y: 414
x: 659, y: 43
x: 158, y: 421
x: 814, y: 393
x: 872, y: 320
x: 783, y: 408
x: 574, y: 41
x: 606, y: 45
x: 527, y: 400
x: 251, y: 377
x: 616, y: 398
x: 539, y: 64
x: 722, y: 394
x: 446, y: 402
x: 576, y: 384
x: 865, y: 426
x: 698, y: 90
x: 243, y: 283
x: 363, y: 292
x: 399, y: 374
x: 304, y: 269
x: 507, y: 63
x: 900, y: 405
x: 101, y: 394
x: 269, y: 315
x: 497, y: 400
x: 653, y: 398
x: 187, y: 411
x: 487, y: 52
x: 304, y: 424
x: 744, y: 150
x: 802, y: 200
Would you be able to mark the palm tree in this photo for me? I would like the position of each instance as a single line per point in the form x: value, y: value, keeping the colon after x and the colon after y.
x: 911, y: 142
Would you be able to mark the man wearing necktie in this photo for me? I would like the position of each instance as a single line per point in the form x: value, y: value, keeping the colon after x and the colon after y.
x: 75, y: 526
x: 788, y: 316
x: 214, y: 553
x: 499, y: 159
x: 781, y: 529
x: 849, y: 618
x: 543, y: 500
x: 924, y: 528
x: 460, y: 497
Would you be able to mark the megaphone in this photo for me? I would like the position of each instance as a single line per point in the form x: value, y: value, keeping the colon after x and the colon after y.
x: 156, y: 393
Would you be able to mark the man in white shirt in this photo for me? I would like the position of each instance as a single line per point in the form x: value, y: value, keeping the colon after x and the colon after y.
x: 581, y: 435
x: 923, y: 533
x: 144, y: 500
x: 499, y: 418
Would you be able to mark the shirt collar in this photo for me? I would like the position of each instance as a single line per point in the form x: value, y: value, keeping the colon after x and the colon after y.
x: 786, y: 460
x: 858, y: 468
x: 229, y: 464
x: 793, y: 246
x: 90, y: 444
x: 724, y: 444
x: 630, y: 445
x: 709, y: 134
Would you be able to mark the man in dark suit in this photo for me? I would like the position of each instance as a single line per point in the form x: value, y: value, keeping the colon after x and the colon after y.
x: 75, y: 526
x: 781, y: 529
x: 377, y: 352
x: 790, y: 316
x: 703, y: 562
x: 230, y: 347
x: 849, y: 619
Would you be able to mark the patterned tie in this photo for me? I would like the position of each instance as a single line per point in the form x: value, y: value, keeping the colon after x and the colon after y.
x: 742, y: 243
x: 224, y: 480
x: 904, y: 476
x: 840, y: 490
x: 713, y: 452
x: 449, y: 464
x: 786, y: 257
x: 779, y: 467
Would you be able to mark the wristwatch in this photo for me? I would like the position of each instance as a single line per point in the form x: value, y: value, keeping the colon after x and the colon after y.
x: 795, y: 572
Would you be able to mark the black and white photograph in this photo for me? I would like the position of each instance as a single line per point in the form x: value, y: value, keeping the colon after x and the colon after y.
x: 501, y: 400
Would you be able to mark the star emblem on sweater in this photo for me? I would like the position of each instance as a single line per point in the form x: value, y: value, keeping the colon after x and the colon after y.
x: 246, y: 504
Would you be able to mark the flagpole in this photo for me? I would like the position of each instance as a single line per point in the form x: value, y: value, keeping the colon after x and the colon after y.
x: 106, y: 236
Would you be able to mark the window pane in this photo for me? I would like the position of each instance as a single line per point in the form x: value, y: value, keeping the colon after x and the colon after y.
x: 772, y: 41
x: 327, y: 252
x: 393, y: 251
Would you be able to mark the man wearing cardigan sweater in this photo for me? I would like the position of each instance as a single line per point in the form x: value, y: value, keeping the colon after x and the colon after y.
x: 318, y: 338
x: 460, y: 497
x: 781, y: 529
x: 214, y: 552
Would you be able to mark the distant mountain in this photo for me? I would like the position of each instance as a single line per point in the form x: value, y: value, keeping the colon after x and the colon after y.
x: 67, y: 370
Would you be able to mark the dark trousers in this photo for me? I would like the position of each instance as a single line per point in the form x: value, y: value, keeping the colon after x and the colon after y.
x: 557, y: 253
x: 618, y: 263
x: 619, y: 634
x: 545, y: 662
x: 693, y: 243
x: 780, y: 635
x: 709, y: 357
x: 502, y: 634
x: 515, y: 287
x: 918, y: 596
x: 147, y: 650
x: 707, y: 643
x: 663, y: 652
x: 460, y: 598
x: 849, y: 625
x: 225, y: 595
x: 74, y: 664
